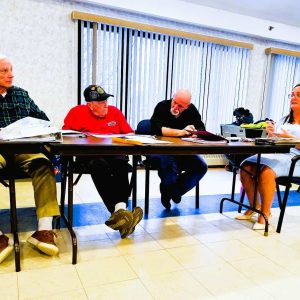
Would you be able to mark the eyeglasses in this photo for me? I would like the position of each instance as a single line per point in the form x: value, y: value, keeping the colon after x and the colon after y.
x: 296, y: 95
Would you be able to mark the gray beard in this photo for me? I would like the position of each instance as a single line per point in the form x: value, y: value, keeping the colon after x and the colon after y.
x: 174, y: 112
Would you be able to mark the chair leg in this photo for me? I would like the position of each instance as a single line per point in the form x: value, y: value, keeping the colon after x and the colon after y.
x: 197, y: 195
x: 133, y: 181
x: 70, y: 216
x: 63, y: 187
x: 278, y: 196
x: 283, y: 206
x: 14, y: 222
x: 67, y: 177
x: 147, y: 180
x: 241, y: 200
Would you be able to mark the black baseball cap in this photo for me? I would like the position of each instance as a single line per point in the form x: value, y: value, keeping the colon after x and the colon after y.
x: 95, y: 93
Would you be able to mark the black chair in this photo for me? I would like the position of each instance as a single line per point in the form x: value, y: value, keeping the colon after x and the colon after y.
x: 144, y: 127
x: 8, y: 175
x: 69, y: 167
x: 286, y: 181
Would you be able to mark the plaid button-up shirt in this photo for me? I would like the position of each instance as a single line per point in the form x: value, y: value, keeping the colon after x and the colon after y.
x: 17, y: 104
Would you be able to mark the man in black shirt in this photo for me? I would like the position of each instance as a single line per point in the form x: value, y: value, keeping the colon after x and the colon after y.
x: 178, y: 173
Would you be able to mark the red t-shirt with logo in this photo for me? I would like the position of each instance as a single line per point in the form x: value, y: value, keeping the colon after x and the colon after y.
x: 81, y: 118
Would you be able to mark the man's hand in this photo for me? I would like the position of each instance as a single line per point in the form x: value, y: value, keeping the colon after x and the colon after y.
x: 189, y: 131
x: 190, y: 128
x: 177, y: 132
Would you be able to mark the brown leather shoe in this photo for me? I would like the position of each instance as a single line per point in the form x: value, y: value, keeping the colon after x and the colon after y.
x: 5, y: 248
x: 44, y: 241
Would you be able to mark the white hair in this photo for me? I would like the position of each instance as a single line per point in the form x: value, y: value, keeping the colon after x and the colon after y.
x: 2, y: 56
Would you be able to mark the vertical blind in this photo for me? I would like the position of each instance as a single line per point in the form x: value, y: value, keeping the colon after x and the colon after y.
x: 284, y: 74
x: 141, y: 68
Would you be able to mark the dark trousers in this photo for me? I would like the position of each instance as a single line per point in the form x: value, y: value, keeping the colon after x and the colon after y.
x: 179, y: 173
x: 110, y: 176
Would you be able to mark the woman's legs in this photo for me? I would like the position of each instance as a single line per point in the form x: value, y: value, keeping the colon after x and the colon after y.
x: 266, y: 188
x: 248, y: 185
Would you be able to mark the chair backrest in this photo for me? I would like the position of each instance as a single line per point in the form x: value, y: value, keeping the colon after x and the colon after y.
x: 143, y: 127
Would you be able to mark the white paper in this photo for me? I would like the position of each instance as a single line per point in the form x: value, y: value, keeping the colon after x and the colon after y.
x: 27, y: 127
x: 105, y: 136
x: 200, y: 141
x: 69, y: 132
x: 146, y: 139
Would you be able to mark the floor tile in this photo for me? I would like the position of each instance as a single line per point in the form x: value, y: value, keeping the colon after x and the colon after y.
x: 71, y: 295
x: 231, y: 250
x: 153, y: 263
x: 170, y: 239
x: 106, y: 270
x: 47, y: 281
x: 195, y: 256
x: 260, y: 269
x: 221, y: 279
x: 9, y: 286
x: 125, y: 290
x: 138, y: 244
x: 176, y: 285
x: 184, y: 254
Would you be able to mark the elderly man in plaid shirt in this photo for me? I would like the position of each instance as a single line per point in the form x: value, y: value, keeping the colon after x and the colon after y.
x: 16, y: 104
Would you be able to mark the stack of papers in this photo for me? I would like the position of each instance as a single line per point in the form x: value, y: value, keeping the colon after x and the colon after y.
x: 135, y: 139
x: 201, y: 141
x: 30, y: 129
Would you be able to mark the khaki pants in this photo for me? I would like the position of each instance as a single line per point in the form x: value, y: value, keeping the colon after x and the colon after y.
x: 39, y: 168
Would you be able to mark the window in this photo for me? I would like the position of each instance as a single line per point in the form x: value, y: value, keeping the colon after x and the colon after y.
x: 283, y: 75
x: 142, y: 67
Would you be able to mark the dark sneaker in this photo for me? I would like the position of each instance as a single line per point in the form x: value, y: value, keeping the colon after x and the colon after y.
x: 165, y: 197
x: 5, y: 248
x: 44, y: 241
x: 121, y: 218
x: 137, y: 216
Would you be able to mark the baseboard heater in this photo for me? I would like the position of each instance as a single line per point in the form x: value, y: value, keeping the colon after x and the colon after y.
x: 214, y: 160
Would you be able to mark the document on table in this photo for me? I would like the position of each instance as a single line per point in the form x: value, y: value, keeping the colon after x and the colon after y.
x: 105, y: 136
x: 139, y: 140
x: 30, y: 129
x: 201, y: 141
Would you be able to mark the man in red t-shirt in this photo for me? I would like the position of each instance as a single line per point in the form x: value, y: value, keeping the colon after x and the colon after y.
x: 109, y: 172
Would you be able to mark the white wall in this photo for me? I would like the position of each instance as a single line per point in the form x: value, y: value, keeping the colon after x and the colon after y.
x: 206, y: 16
x: 41, y: 40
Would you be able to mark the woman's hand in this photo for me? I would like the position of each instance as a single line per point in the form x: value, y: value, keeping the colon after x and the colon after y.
x: 284, y: 134
x: 270, y: 128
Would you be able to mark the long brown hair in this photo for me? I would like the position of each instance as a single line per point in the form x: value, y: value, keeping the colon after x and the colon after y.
x: 290, y: 117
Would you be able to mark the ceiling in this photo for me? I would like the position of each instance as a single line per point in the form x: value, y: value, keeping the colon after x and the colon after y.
x: 279, y: 11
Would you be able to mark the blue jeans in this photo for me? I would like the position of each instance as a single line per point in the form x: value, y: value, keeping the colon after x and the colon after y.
x: 179, y: 173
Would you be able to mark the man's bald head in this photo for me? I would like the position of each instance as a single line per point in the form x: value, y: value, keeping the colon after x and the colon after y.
x: 180, y: 102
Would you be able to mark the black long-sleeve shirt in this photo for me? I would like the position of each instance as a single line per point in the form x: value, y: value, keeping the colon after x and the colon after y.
x: 162, y: 117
